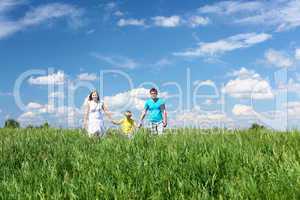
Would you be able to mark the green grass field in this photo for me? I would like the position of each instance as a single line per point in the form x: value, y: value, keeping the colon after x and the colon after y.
x: 62, y: 164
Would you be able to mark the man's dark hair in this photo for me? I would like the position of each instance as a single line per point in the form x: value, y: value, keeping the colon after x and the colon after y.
x: 153, y: 90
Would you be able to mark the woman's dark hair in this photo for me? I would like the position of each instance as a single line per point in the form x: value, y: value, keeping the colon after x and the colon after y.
x: 153, y: 90
x: 91, y: 98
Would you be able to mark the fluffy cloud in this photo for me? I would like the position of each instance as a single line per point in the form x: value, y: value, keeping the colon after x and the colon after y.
x: 278, y: 58
x: 243, y: 110
x: 117, y: 61
x: 239, y: 41
x: 55, y: 78
x: 163, y: 62
x: 131, y: 22
x: 293, y: 109
x: 297, y: 54
x: 34, y: 106
x: 111, y: 9
x: 30, y: 118
x: 248, y: 84
x: 163, y: 21
x: 118, y: 13
x: 87, y: 77
x: 281, y: 14
x: 5, y: 93
x: 133, y: 99
x: 200, y: 119
x: 191, y: 21
x: 60, y: 116
x: 206, y: 82
x: 195, y: 21
x: 231, y: 7
x: 36, y: 16
x: 7, y: 5
x: 59, y: 95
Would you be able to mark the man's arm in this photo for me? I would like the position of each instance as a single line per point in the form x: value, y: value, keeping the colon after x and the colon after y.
x: 165, y: 115
x: 142, y: 117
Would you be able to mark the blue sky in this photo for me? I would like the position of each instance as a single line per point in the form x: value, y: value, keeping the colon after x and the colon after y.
x: 234, y: 46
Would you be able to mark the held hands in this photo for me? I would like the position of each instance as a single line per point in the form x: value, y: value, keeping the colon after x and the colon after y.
x: 165, y: 123
x: 140, y: 125
x: 85, y: 126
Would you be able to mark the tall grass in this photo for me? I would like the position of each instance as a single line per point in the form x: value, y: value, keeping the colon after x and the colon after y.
x: 65, y: 164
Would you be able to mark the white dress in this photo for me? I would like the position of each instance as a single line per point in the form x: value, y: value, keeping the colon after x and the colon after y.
x: 96, y: 119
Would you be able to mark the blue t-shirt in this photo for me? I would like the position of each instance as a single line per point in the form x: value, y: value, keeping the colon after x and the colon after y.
x: 154, y: 109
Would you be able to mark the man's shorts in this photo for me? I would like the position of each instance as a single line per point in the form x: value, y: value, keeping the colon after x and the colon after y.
x: 156, y: 128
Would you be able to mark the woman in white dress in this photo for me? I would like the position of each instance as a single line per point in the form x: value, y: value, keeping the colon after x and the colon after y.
x: 93, y: 120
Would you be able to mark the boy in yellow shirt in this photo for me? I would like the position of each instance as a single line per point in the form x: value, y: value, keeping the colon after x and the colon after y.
x: 127, y: 124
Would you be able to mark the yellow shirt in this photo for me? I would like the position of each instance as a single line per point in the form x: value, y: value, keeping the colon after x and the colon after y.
x: 127, y: 125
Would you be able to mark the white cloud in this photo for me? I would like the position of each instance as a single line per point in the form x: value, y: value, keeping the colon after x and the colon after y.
x: 59, y: 95
x: 131, y: 22
x: 59, y: 116
x: 205, y: 82
x: 7, y: 5
x: 118, y: 13
x: 166, y: 21
x: 5, y: 93
x: 238, y: 41
x: 243, y: 111
x: 112, y: 10
x: 292, y: 86
x: 30, y: 118
x: 278, y: 58
x: 133, y: 99
x: 244, y: 73
x: 297, y: 54
x: 111, y: 5
x: 163, y: 62
x: 248, y: 84
x: 55, y: 78
x: 163, y: 21
x: 230, y: 7
x: 117, y: 61
x: 37, y: 16
x: 281, y: 14
x: 195, y: 21
x: 91, y: 31
x: 87, y: 77
x: 199, y: 118
x: 34, y: 106
x: 293, y: 109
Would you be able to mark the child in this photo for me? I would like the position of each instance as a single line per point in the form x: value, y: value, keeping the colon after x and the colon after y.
x: 127, y: 124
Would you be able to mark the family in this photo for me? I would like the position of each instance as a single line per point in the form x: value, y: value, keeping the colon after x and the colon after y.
x: 95, y: 109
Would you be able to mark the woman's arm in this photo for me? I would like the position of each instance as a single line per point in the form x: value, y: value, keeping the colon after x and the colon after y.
x: 86, y: 115
x: 106, y: 111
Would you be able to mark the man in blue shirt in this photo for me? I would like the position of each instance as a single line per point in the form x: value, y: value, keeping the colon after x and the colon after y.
x: 157, y: 113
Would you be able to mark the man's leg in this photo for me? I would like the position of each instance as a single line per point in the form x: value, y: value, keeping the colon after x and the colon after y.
x: 160, y: 128
x: 153, y: 128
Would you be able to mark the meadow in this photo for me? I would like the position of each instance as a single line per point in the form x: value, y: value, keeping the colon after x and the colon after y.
x: 188, y: 164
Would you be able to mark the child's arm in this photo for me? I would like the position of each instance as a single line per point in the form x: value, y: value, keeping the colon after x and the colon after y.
x: 135, y: 125
x: 116, y: 122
